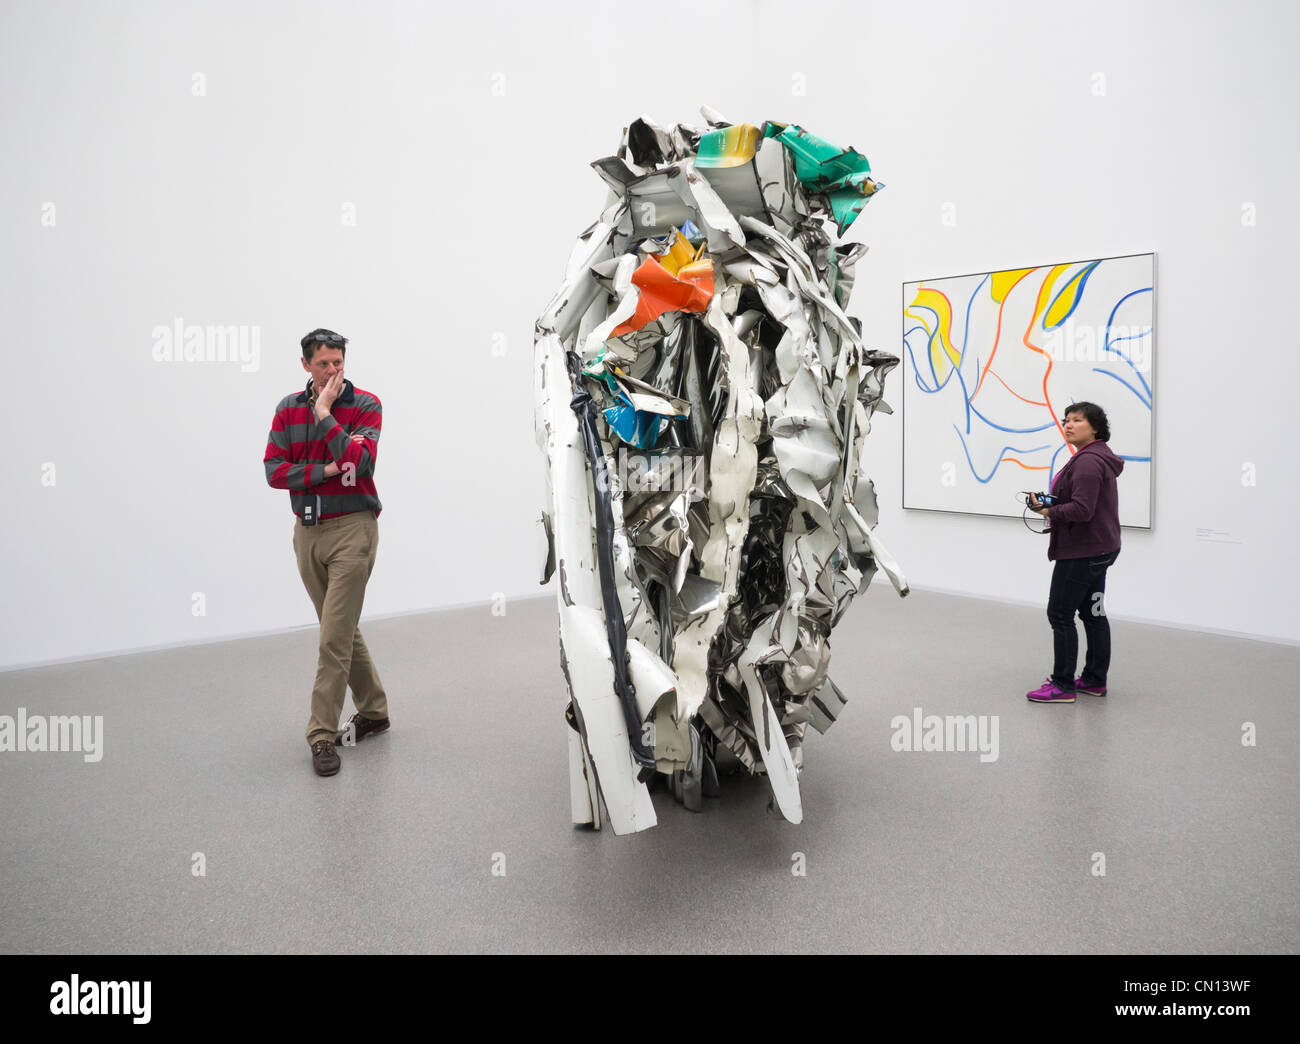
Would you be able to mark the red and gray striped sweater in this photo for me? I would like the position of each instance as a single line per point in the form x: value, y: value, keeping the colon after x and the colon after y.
x: 299, y: 446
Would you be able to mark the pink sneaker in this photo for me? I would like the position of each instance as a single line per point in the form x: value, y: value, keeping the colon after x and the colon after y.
x: 1089, y: 690
x: 1048, y: 692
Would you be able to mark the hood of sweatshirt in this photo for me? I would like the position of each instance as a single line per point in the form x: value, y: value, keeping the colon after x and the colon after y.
x: 1101, y: 450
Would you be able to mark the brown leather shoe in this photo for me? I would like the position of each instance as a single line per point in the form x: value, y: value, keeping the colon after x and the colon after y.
x: 359, y: 727
x: 324, y: 758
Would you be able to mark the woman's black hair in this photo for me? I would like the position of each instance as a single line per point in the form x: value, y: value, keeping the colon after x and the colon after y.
x: 1095, y: 416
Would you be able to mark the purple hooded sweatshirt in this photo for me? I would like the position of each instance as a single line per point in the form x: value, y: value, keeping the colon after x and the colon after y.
x: 1086, y: 521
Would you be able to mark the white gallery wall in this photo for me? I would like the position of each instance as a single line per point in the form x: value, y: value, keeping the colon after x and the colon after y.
x: 413, y: 175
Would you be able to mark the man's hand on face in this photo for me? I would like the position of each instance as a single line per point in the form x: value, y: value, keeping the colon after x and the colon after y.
x: 326, y: 396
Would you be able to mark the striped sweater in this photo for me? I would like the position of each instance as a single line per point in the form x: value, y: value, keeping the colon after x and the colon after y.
x: 300, y: 445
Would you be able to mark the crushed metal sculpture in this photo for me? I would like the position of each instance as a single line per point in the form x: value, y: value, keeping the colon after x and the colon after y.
x: 701, y: 399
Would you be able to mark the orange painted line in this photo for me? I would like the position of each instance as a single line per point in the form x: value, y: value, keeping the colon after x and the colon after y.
x: 997, y: 336
x: 1016, y: 393
x: 1048, y: 372
x: 945, y: 333
x: 1027, y: 467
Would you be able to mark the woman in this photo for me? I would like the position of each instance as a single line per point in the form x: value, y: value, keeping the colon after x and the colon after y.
x: 1084, y: 542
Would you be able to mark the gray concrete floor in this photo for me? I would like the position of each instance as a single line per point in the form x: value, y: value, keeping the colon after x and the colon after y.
x: 921, y: 851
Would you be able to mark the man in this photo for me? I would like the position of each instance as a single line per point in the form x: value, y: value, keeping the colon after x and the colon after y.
x: 1084, y: 543
x: 322, y: 449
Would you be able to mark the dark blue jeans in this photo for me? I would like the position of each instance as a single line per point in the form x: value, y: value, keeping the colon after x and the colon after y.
x: 1079, y: 586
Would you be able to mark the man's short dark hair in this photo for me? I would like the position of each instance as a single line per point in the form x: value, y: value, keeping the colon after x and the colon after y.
x: 320, y: 337
x: 1095, y: 416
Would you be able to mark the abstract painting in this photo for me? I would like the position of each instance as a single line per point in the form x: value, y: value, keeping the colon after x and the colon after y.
x: 991, y: 361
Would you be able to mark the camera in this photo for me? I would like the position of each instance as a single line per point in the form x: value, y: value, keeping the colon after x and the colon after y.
x: 1044, y: 499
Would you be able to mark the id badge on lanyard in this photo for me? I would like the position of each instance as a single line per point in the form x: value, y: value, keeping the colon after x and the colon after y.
x: 311, y: 509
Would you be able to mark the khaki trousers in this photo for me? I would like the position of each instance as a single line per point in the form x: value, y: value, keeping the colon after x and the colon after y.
x: 335, y: 558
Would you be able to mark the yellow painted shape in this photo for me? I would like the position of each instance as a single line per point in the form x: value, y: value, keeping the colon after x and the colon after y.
x: 1045, y: 291
x: 1002, y: 282
x: 1067, y: 298
x: 941, y: 347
